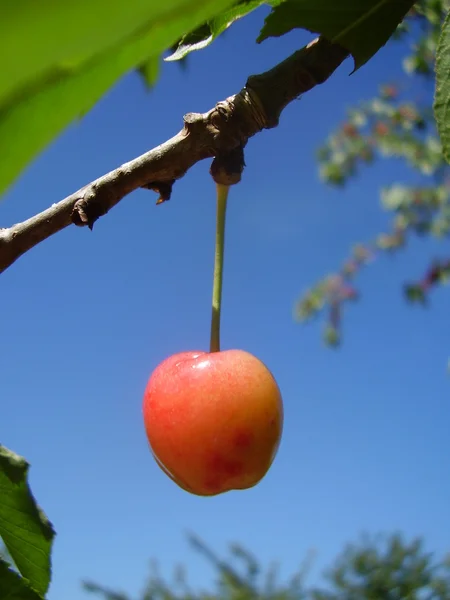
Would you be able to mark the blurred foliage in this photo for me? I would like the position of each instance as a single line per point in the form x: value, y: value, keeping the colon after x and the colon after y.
x: 391, y: 125
x: 381, y: 568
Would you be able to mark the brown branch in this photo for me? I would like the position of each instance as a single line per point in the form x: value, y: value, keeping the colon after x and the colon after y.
x: 224, y: 128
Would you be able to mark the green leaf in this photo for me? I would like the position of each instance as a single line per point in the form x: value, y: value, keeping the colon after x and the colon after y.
x: 331, y: 336
x: 415, y: 293
x: 195, y: 40
x: 58, y: 59
x: 205, y: 34
x: 149, y: 71
x: 442, y: 94
x: 13, y: 587
x: 360, y: 26
x: 47, y: 38
x: 25, y: 530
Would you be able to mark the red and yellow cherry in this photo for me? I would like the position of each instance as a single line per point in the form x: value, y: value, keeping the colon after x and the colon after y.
x: 213, y: 420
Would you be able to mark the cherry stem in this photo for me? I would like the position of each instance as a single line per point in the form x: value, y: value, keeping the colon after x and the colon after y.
x: 222, y: 197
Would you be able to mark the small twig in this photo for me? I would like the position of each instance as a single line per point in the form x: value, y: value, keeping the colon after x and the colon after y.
x: 227, y: 126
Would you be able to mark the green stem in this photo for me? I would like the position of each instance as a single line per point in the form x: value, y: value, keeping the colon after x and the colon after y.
x: 222, y: 196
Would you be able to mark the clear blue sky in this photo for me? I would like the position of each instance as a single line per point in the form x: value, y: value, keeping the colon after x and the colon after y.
x: 87, y: 316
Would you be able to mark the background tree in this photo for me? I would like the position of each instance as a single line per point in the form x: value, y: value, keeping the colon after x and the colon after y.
x: 397, y: 124
x: 391, y: 569
x: 374, y: 569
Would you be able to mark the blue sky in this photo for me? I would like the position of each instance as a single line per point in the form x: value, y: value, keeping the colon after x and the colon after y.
x: 88, y: 316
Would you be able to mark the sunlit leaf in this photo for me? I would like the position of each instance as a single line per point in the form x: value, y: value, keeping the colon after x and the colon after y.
x: 208, y: 32
x: 58, y: 59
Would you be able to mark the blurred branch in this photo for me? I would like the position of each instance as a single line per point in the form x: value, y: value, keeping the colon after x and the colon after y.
x: 437, y: 274
x: 100, y: 590
x: 225, y: 127
x: 386, y: 126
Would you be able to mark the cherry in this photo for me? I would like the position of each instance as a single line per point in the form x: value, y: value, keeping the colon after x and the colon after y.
x: 213, y: 420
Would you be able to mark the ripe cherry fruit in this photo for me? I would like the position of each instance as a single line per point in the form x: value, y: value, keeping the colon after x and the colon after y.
x: 213, y: 420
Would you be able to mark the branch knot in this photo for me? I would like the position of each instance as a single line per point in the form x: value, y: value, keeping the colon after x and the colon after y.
x: 94, y: 203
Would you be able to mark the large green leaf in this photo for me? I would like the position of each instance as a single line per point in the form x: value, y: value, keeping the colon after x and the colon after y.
x: 49, y: 38
x: 209, y: 31
x: 442, y: 95
x: 25, y: 530
x: 58, y: 59
x: 360, y: 26
x: 13, y: 587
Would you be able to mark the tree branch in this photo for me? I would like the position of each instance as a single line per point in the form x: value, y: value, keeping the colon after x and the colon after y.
x: 225, y: 127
